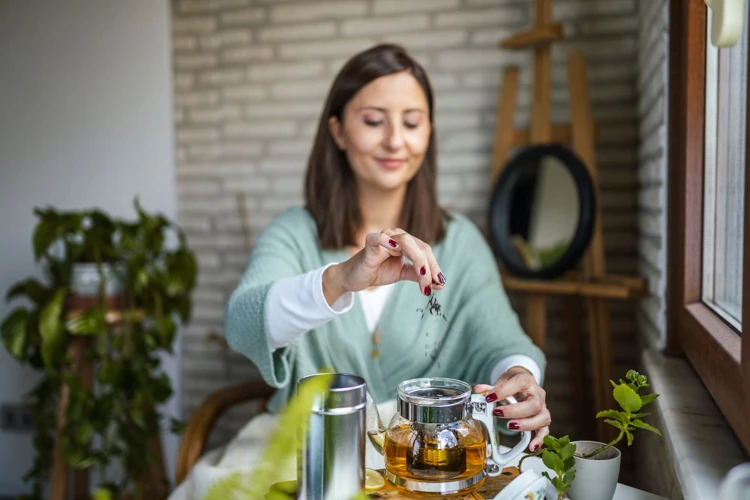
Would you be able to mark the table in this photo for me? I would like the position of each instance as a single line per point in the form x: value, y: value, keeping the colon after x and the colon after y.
x: 492, y: 486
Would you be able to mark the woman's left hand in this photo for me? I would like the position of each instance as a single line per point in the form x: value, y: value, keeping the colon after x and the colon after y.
x: 530, y: 413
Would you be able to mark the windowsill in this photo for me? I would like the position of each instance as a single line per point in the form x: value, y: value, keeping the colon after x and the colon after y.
x: 702, y: 446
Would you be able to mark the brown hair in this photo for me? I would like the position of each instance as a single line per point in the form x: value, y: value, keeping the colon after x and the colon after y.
x: 330, y: 191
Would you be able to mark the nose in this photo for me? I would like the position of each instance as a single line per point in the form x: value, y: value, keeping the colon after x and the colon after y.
x: 395, y: 138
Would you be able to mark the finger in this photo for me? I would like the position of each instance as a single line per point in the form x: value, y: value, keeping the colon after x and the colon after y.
x: 438, y: 278
x: 542, y: 419
x: 528, y: 408
x: 483, y: 389
x: 510, y: 387
x: 381, y: 240
x: 411, y: 250
x: 539, y: 438
x: 409, y: 272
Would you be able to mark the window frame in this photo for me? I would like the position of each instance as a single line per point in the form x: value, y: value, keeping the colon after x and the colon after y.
x: 713, y: 348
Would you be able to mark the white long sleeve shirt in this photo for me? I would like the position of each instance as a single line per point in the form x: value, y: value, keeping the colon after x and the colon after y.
x: 297, y: 305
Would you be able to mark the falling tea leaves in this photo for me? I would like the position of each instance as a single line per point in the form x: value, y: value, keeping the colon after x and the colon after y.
x: 434, y: 308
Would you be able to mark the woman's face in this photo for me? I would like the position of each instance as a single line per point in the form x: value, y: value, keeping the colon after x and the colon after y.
x: 385, y: 131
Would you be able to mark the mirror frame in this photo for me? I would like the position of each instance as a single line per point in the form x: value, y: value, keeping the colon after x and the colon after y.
x: 504, y: 190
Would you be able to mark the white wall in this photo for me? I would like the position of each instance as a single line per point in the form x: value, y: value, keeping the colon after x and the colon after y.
x: 85, y: 120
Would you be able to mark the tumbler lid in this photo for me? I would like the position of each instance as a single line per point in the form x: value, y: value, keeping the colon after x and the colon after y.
x: 346, y: 394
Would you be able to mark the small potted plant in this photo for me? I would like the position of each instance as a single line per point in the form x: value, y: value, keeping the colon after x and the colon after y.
x: 588, y: 470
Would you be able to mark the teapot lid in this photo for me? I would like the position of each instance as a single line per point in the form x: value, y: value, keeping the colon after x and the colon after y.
x: 433, y: 400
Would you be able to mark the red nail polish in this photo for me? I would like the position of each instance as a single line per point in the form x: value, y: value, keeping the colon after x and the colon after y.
x: 491, y: 397
x: 513, y: 426
x: 441, y: 278
x: 536, y: 447
x: 393, y: 243
x: 427, y: 291
x: 498, y: 412
x: 423, y: 271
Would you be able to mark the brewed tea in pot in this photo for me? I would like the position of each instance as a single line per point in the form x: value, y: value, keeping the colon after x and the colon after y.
x: 442, y: 439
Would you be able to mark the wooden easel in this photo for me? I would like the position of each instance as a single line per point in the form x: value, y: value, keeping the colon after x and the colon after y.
x: 594, y: 285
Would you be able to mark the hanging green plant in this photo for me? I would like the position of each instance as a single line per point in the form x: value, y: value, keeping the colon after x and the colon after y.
x: 135, y: 290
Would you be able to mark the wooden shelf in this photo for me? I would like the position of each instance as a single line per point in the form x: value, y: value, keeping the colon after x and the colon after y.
x: 605, y: 287
x: 533, y: 37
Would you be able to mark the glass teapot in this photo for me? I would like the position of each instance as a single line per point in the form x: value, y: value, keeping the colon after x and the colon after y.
x: 442, y: 439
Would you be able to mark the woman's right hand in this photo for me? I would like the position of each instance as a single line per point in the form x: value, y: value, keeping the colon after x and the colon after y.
x: 383, y: 261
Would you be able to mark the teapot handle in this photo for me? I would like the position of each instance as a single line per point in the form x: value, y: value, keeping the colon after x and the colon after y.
x: 482, y: 411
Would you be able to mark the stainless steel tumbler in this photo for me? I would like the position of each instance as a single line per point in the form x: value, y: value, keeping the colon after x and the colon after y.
x: 331, y: 459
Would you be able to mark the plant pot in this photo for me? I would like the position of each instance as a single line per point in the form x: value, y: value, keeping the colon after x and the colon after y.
x: 596, y: 477
x: 85, y: 280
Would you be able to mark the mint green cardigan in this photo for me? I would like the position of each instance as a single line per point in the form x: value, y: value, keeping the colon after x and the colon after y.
x: 478, y: 329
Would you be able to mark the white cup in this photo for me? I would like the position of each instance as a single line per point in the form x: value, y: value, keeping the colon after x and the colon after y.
x: 527, y: 486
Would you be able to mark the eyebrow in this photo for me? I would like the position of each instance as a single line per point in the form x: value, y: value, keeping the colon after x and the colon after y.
x: 411, y: 110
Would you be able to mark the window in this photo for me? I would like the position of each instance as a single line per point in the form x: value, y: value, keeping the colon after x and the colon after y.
x: 724, y: 177
x: 707, y: 213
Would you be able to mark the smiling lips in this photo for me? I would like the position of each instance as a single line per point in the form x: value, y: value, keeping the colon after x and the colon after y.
x: 391, y: 163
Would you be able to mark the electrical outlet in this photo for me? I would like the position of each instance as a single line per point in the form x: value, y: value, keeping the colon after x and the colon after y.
x: 14, y: 417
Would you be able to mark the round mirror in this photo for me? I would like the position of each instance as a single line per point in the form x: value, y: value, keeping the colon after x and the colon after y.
x: 542, y: 211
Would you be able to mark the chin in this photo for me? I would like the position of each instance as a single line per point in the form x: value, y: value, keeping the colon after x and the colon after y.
x: 390, y: 181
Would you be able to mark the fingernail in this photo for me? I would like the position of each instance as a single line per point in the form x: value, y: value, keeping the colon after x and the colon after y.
x: 498, y: 412
x: 441, y: 278
x: 423, y: 271
x: 536, y: 447
x: 393, y: 243
x: 491, y: 397
x: 513, y: 426
x: 427, y: 291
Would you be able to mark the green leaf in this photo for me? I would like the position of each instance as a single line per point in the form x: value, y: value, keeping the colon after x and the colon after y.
x: 569, y: 463
x: 45, y: 233
x: 567, y: 451
x: 91, y: 322
x: 649, y: 398
x: 552, y: 461
x: 14, y: 333
x: 630, y: 437
x: 614, y: 423
x: 184, y: 309
x: 551, y: 442
x: 643, y: 425
x: 138, y: 417
x: 569, y: 477
x: 632, y: 375
x: 613, y: 383
x: 35, y: 291
x: 177, y: 426
x: 627, y: 398
x: 51, y: 328
x: 616, y: 415
x: 558, y: 484
x: 640, y: 415
x: 84, y: 432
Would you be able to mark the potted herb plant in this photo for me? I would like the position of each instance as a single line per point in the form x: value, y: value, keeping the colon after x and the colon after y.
x: 118, y: 286
x: 588, y: 470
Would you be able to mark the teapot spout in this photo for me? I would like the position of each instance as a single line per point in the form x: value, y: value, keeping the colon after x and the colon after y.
x: 375, y: 428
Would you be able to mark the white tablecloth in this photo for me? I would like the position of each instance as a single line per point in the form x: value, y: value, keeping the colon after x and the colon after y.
x: 244, y: 450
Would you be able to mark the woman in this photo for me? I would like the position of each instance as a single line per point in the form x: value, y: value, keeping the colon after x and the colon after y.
x: 351, y: 280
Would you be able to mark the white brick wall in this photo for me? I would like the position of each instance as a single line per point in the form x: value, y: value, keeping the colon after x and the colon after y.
x: 652, y: 169
x: 250, y: 80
